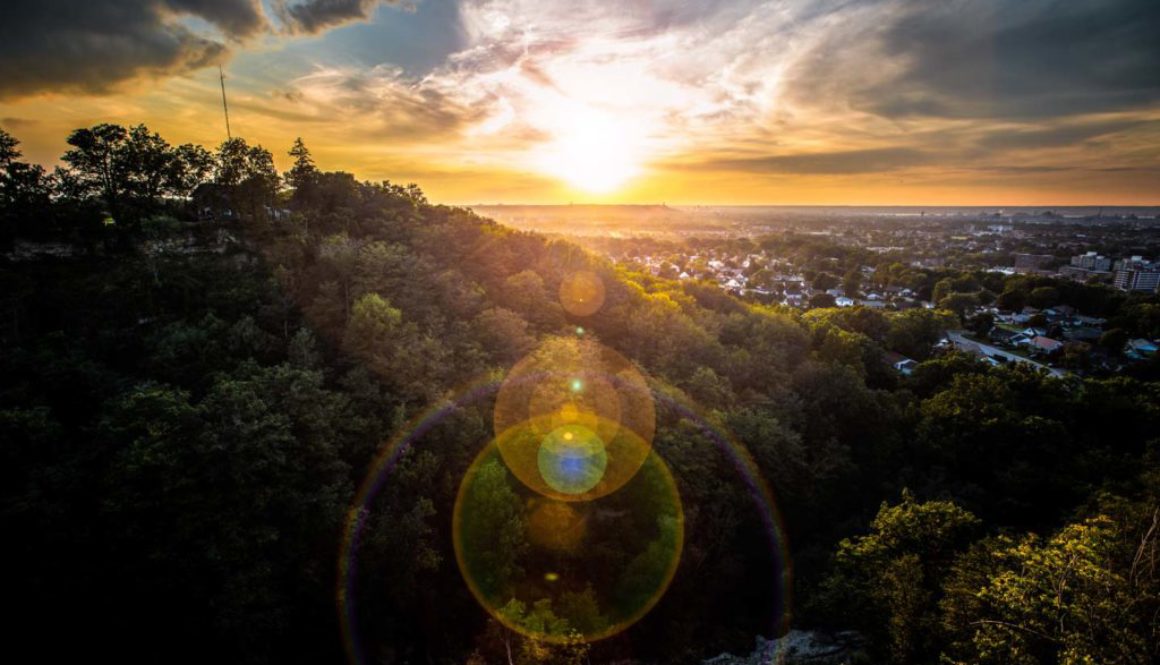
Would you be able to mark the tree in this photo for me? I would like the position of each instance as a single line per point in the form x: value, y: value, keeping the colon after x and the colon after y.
x: 914, y: 332
x: 191, y: 165
x: 1086, y: 595
x: 250, y: 172
x: 1011, y: 300
x: 8, y: 150
x: 820, y: 300
x: 1114, y: 340
x: 1043, y: 297
x: 981, y: 323
x: 894, y: 575
x: 959, y: 303
x: 24, y: 190
x: 96, y: 161
x: 303, y: 172
x: 824, y: 281
x: 852, y: 282
x: 372, y: 328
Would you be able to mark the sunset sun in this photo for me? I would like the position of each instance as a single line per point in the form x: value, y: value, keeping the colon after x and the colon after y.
x: 593, y: 152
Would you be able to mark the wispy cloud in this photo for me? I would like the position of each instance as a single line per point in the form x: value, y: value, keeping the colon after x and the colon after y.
x: 758, y: 93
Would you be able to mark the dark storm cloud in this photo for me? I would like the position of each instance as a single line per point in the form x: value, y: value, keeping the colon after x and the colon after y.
x: 91, y: 46
x: 1016, y: 58
x: 1053, y: 137
x: 844, y: 162
x: 312, y: 16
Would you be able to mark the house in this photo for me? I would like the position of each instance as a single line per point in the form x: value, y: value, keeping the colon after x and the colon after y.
x: 213, y: 201
x: 1083, y: 334
x: 1002, y: 335
x: 1140, y: 348
x: 1090, y: 320
x: 1046, y: 344
x: 1035, y: 332
x: 843, y: 301
x: 901, y: 364
x: 1020, y: 340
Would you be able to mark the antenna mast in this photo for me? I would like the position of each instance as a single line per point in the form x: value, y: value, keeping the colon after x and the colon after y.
x: 225, y: 107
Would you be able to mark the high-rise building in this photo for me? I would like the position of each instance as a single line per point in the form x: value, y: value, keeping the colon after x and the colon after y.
x: 1136, y: 274
x: 1092, y: 261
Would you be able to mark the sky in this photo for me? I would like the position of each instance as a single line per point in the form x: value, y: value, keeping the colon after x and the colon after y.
x: 861, y: 102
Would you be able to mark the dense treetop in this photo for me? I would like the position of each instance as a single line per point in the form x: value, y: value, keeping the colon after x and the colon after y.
x: 190, y: 398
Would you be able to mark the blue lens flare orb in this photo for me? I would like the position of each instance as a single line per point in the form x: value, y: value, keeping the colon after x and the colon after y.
x: 572, y: 459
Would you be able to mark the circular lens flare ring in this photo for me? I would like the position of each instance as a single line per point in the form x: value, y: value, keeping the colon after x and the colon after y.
x: 535, y: 564
x: 570, y: 380
x: 585, y: 468
x: 582, y: 293
x: 572, y: 459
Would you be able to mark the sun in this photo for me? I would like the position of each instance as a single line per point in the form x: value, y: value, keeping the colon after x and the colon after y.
x: 591, y: 151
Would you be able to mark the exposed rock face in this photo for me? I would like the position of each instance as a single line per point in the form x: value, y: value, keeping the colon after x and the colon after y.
x: 798, y: 647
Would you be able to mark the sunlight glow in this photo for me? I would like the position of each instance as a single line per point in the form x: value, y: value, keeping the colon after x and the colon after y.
x: 592, y: 151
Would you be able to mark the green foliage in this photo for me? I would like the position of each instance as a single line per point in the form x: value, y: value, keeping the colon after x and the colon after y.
x: 889, y: 580
x: 1086, y: 595
x: 184, y: 432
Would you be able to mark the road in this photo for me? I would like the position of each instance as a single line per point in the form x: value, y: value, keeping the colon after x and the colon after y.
x: 961, y: 341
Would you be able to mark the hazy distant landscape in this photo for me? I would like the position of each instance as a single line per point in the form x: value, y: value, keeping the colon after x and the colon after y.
x: 662, y: 221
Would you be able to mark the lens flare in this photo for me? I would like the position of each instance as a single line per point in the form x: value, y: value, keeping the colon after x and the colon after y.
x: 572, y: 459
x: 582, y: 293
x: 576, y: 528
x: 541, y: 567
x: 555, y: 525
x: 570, y: 380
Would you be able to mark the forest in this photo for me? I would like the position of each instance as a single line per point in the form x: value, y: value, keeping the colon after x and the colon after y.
x: 236, y: 406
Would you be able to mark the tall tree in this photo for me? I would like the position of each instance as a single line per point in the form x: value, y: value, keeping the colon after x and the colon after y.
x: 96, y: 162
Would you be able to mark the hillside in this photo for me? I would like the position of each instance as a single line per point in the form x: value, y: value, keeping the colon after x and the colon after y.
x: 215, y: 425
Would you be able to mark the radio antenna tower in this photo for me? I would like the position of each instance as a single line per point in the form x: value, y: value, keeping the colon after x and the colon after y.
x: 225, y: 107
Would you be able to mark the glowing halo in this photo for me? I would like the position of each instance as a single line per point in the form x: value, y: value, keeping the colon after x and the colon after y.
x: 572, y: 459
x: 570, y: 380
x: 575, y: 398
x: 582, y: 293
x: 513, y: 566
x: 411, y: 435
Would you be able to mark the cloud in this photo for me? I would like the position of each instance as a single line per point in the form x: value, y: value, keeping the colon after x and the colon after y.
x: 1067, y: 134
x: 841, y: 162
x: 91, y: 47
x: 380, y: 102
x: 678, y: 88
x: 312, y: 16
x: 796, y: 88
x: 95, y: 47
x: 1005, y: 59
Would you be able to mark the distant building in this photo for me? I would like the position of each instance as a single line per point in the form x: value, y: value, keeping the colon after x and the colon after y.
x: 1136, y: 274
x: 1025, y: 263
x: 1140, y: 348
x: 1086, y: 267
x: 1092, y: 261
x: 1046, y: 344
x: 1002, y: 335
x: 901, y: 363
